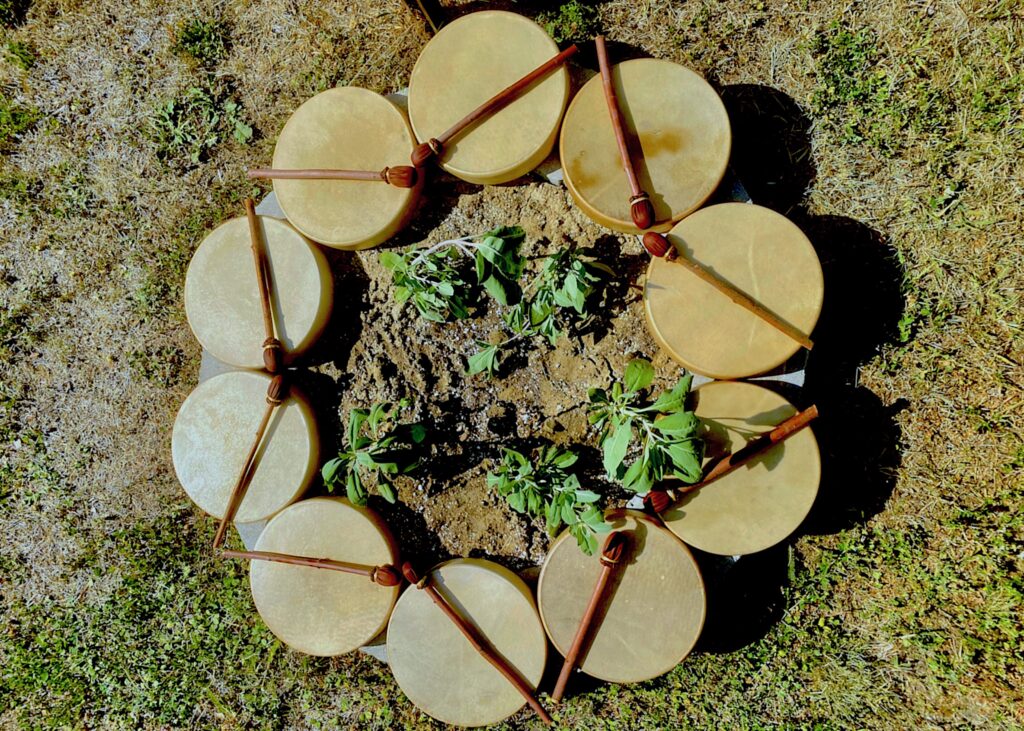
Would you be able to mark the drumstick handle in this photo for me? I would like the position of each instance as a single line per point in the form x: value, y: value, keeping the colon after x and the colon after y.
x: 400, y: 176
x: 755, y: 447
x: 480, y: 645
x: 616, y: 114
x: 611, y: 554
x: 656, y: 243
x: 503, y: 98
x: 385, y: 574
x: 271, y: 345
x: 275, y: 394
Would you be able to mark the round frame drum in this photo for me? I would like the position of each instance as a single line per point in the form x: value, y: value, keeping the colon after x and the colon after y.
x: 319, y: 611
x: 758, y: 251
x: 673, y: 116
x: 764, y: 501
x: 437, y: 667
x: 222, y: 299
x: 470, y: 60
x: 653, y: 610
x: 346, y: 128
x: 212, y: 435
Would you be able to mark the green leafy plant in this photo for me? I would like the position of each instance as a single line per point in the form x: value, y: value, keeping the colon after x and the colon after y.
x: 21, y: 54
x: 545, y: 489
x: 204, y: 40
x: 435, y: 278
x: 556, y: 296
x: 15, y: 120
x: 574, y: 21
x: 189, y: 127
x: 662, y: 432
x: 378, y: 447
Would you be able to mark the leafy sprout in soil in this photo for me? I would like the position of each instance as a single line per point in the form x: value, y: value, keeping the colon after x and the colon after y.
x: 663, y: 431
x: 378, y: 449
x: 557, y: 296
x: 544, y: 488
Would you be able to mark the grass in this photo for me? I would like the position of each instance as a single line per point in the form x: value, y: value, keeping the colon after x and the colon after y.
x: 112, y: 612
x: 576, y: 21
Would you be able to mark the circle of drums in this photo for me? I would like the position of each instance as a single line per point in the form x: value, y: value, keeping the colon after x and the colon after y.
x: 732, y: 292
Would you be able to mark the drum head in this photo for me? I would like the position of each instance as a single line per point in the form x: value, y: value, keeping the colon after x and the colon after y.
x: 214, y: 431
x: 762, y: 502
x: 759, y: 252
x: 347, y: 128
x: 319, y: 611
x: 653, y: 610
x: 670, y: 114
x: 222, y: 299
x: 437, y: 667
x: 468, y: 62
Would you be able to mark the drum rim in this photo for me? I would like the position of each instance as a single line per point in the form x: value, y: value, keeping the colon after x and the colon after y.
x: 612, y: 514
x: 412, y: 194
x: 518, y: 169
x: 366, y: 513
x: 326, y: 286
x: 299, y: 399
x: 816, y: 447
x: 626, y: 225
x: 729, y: 375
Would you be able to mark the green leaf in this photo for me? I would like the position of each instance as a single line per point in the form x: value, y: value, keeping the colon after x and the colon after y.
x: 356, y: 419
x: 639, y: 374
x: 681, y: 423
x: 496, y: 288
x: 615, y: 446
x: 392, y: 261
x: 331, y: 469
x: 484, y: 361
x: 685, y: 461
x: 417, y: 432
x: 387, y: 491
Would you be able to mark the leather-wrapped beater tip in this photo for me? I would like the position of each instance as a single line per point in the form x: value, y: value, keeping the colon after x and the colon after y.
x: 410, y: 573
x: 401, y: 176
x: 386, y: 575
x: 657, y: 501
x: 424, y: 151
x: 642, y: 212
x: 277, y: 390
x: 272, y: 355
x: 614, y: 547
x: 656, y: 244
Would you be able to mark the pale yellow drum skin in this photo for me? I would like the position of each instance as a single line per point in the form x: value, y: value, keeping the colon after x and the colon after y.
x: 319, y: 611
x: 213, y: 433
x: 758, y: 251
x: 468, y: 62
x: 222, y: 299
x: 346, y: 128
x: 762, y: 502
x: 673, y: 116
x: 437, y: 667
x: 653, y: 610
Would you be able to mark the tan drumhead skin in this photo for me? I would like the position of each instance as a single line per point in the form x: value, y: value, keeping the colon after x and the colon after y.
x: 654, y: 610
x: 681, y: 126
x: 435, y: 665
x: 214, y: 431
x: 465, y: 64
x: 317, y: 611
x: 222, y: 299
x: 761, y: 503
x: 758, y: 251
x: 346, y: 128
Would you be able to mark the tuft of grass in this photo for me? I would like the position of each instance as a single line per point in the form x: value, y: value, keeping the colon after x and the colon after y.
x: 206, y: 41
x: 177, y: 613
x: 572, y: 22
x: 21, y: 54
x: 20, y: 189
x: 15, y: 120
x: 161, y: 366
x: 188, y: 128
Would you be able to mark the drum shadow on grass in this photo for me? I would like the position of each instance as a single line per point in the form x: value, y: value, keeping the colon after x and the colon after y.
x: 857, y: 434
x: 351, y: 304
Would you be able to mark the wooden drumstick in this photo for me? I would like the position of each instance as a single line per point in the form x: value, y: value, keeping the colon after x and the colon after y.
x: 658, y: 245
x: 479, y: 643
x: 272, y: 348
x: 658, y: 500
x: 435, y: 145
x: 640, y: 207
x: 611, y: 555
x: 385, y: 574
x: 400, y: 176
x: 276, y: 392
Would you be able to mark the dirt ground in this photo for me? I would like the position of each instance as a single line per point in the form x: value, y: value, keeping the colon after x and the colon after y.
x: 891, y: 133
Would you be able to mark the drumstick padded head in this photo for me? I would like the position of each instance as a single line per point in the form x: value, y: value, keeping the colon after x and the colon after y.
x: 386, y: 575
x: 656, y: 244
x: 642, y: 212
x: 401, y: 176
x: 614, y: 547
